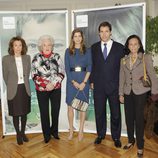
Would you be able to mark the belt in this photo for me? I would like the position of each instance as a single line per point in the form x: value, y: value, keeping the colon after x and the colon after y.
x: 78, y: 69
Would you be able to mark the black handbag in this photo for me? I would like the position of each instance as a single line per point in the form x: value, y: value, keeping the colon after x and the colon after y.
x: 79, y: 104
x: 154, y: 97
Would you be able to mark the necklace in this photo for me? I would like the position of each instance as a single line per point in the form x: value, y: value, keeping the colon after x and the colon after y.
x: 132, y: 60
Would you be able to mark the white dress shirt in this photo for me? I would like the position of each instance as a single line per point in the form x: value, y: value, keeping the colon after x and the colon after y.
x: 19, y: 65
x: 108, y: 45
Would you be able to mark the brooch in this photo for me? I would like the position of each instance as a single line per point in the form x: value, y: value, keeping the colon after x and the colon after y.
x: 123, y: 61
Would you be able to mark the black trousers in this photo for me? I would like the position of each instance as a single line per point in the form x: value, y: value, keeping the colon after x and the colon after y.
x: 134, y: 115
x: 100, y: 100
x: 54, y: 97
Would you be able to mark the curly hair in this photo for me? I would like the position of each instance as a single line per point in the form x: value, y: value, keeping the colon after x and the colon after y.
x: 42, y: 39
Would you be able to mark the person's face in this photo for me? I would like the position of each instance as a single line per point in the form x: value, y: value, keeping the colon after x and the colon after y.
x: 52, y: 26
x: 104, y: 33
x: 133, y: 45
x: 77, y: 38
x: 17, y: 48
x: 46, y: 47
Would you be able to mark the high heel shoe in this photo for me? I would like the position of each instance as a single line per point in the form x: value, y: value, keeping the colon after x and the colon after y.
x: 47, y: 138
x: 70, y: 137
x: 56, y: 136
x: 80, y: 136
x: 140, y: 153
x: 129, y: 145
x: 74, y: 129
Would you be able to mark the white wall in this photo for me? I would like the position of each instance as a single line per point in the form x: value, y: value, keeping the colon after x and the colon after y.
x: 27, y: 5
x: 152, y: 7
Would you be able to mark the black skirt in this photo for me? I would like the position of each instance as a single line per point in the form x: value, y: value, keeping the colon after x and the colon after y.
x: 21, y: 103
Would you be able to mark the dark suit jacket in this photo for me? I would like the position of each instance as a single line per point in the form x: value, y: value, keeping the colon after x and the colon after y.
x: 10, y: 74
x: 105, y: 73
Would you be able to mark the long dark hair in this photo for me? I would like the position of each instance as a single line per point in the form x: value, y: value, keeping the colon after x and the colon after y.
x: 141, y: 49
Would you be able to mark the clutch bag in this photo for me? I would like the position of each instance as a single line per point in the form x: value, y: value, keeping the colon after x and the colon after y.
x: 79, y: 104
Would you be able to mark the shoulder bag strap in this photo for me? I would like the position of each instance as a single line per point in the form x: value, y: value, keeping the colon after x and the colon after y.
x: 83, y: 94
x: 144, y: 66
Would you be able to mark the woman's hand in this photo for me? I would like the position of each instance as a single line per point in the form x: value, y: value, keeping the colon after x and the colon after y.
x: 76, y: 84
x: 49, y: 87
x: 121, y: 99
x: 82, y: 85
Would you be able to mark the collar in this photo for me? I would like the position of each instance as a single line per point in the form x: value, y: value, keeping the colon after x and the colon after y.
x: 126, y: 60
x: 140, y: 56
x: 109, y: 42
x: 47, y: 55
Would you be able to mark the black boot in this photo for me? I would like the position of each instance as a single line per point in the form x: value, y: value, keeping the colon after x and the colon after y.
x: 18, y: 134
x: 23, y: 125
x: 19, y: 139
x: 24, y: 137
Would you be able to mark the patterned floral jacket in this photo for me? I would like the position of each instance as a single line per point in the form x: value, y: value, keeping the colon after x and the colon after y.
x: 47, y: 70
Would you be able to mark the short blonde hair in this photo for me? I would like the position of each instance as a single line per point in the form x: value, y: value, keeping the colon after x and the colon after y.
x: 42, y: 39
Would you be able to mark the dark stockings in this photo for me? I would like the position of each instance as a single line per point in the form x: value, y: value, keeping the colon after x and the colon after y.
x: 16, y: 124
x: 20, y: 133
x: 23, y: 123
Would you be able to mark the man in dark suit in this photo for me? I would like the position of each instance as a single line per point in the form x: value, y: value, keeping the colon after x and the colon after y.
x: 106, y: 56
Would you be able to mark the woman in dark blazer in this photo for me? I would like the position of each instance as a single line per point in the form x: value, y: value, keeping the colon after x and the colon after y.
x: 16, y: 70
x: 132, y: 92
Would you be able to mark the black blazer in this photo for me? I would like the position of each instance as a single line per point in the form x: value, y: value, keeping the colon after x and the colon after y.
x: 105, y: 73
